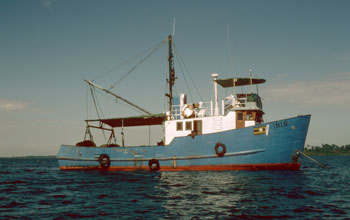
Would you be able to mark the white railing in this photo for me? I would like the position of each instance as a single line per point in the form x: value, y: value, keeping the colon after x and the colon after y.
x: 175, y: 111
x: 233, y: 102
x: 205, y: 109
x: 201, y: 109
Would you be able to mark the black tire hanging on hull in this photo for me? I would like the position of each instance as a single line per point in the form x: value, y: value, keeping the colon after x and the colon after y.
x: 153, y: 165
x: 220, y: 149
x: 104, y: 161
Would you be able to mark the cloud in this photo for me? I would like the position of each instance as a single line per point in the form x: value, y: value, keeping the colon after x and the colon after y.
x: 347, y: 74
x: 311, y: 92
x: 47, y: 4
x: 12, y: 105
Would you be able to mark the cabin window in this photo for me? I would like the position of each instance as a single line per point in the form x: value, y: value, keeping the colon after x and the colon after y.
x: 249, y: 116
x: 188, y: 125
x: 179, y: 126
x: 240, y: 116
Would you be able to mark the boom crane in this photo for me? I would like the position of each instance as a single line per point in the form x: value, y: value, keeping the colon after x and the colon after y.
x: 117, y: 96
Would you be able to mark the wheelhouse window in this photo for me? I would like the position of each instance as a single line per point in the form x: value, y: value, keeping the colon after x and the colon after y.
x: 179, y: 126
x: 188, y: 125
x: 249, y: 116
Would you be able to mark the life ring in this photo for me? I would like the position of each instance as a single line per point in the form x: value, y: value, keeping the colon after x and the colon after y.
x: 104, y: 161
x: 187, y: 111
x: 220, y: 149
x: 153, y: 165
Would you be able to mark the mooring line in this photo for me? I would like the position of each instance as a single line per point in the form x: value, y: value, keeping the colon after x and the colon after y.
x: 310, y: 158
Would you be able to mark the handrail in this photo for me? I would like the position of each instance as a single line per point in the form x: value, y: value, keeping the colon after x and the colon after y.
x: 204, y: 111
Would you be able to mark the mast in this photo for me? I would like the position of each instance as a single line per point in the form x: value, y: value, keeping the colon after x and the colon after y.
x: 171, y: 79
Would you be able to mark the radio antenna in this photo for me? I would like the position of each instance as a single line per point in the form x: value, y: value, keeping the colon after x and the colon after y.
x: 174, y: 26
x: 229, y: 46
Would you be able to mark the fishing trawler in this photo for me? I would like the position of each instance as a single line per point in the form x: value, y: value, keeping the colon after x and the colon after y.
x: 217, y: 135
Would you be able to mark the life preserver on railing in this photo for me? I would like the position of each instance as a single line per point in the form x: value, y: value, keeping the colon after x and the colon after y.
x: 153, y: 165
x: 187, y: 111
x: 220, y: 149
x: 104, y: 161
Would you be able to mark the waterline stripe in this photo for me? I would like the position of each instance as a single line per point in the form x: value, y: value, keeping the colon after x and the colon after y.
x: 191, y: 157
x: 267, y: 166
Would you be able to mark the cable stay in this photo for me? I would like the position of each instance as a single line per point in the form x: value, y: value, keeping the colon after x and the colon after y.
x: 229, y: 46
x: 154, y: 49
x: 96, y: 103
x: 128, y: 60
x: 188, y: 72
x: 188, y: 87
x: 312, y: 159
x: 98, y: 108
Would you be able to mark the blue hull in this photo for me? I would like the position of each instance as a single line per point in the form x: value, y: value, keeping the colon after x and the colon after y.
x: 245, y: 150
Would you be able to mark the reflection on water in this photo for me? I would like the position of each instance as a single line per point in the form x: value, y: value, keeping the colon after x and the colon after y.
x: 228, y: 194
x: 38, y: 189
x: 200, y: 193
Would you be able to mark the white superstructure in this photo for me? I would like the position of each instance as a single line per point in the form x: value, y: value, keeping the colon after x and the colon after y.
x: 237, y: 111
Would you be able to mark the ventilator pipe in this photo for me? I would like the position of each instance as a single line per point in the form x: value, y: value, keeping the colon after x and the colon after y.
x: 214, y: 76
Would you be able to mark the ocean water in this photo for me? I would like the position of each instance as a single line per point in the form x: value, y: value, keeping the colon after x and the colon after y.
x: 37, y: 189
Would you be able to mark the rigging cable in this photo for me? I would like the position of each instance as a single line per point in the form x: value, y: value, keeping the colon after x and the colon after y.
x: 188, y: 88
x: 230, y: 53
x: 154, y: 49
x: 229, y: 46
x: 87, y: 102
x: 188, y: 72
x: 125, y: 62
x: 96, y: 106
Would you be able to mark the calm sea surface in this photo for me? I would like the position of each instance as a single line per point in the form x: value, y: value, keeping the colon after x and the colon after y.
x: 37, y: 189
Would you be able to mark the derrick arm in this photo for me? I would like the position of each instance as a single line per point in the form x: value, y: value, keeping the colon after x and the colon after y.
x: 117, y: 96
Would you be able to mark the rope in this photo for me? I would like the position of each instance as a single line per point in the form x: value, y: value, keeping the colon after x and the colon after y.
x: 125, y: 62
x: 96, y: 107
x: 97, y: 104
x: 93, y: 98
x: 188, y: 72
x: 188, y: 88
x: 229, y: 46
x: 87, y: 102
x: 155, y: 48
x: 310, y: 158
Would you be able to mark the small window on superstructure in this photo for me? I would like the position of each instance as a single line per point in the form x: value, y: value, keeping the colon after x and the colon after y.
x: 249, y: 116
x: 179, y: 126
x: 188, y: 125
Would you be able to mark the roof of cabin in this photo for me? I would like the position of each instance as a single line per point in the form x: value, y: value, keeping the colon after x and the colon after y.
x: 143, y: 120
x: 233, y: 82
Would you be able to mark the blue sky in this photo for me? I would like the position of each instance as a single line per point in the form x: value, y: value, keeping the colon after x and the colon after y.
x: 47, y: 48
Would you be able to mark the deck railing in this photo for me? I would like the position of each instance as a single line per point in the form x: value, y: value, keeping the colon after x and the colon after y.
x: 202, y: 109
